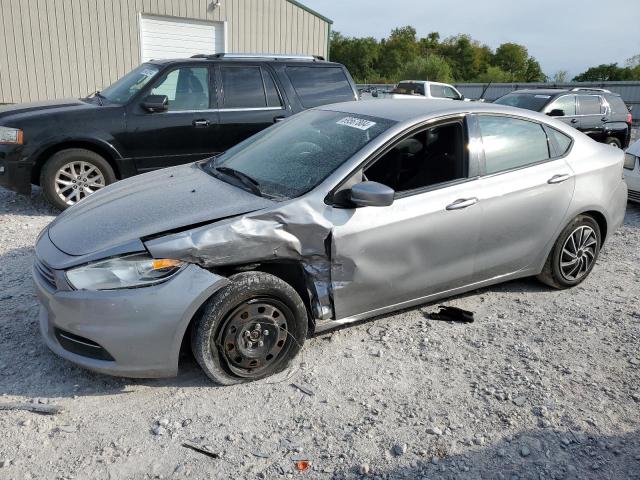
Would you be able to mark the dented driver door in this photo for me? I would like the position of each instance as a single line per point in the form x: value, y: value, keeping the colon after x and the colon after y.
x: 422, y: 244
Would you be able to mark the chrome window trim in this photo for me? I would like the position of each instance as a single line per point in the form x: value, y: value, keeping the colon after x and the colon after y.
x: 213, y: 110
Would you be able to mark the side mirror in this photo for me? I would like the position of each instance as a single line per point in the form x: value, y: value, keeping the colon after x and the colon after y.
x: 371, y: 194
x: 556, y: 112
x: 461, y: 97
x: 156, y: 103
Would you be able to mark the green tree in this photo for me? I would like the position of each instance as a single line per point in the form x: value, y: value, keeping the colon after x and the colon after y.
x: 512, y: 58
x: 459, y: 51
x: 432, y: 67
x: 603, y: 73
x: 359, y: 55
x: 493, y: 75
x: 533, y: 71
x: 561, y: 76
x: 399, y: 49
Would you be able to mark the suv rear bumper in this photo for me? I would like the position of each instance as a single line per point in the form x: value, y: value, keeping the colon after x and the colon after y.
x: 15, y: 174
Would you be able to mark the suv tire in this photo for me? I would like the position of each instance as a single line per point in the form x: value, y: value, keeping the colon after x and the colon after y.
x: 73, y: 174
x: 250, y: 329
x: 614, y: 142
x: 573, y: 255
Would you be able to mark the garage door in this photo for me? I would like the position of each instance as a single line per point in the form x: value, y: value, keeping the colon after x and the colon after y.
x: 168, y: 37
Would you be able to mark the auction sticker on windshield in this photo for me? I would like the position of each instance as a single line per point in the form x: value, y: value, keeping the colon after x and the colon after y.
x: 359, y: 123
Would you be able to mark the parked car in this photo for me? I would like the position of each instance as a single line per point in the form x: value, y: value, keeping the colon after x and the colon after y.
x: 595, y: 111
x: 425, y: 89
x: 632, y: 171
x: 351, y: 211
x: 163, y: 113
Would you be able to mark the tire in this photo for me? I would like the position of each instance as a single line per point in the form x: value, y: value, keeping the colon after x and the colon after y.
x: 61, y: 167
x: 557, y: 269
x: 224, y: 341
x: 614, y: 142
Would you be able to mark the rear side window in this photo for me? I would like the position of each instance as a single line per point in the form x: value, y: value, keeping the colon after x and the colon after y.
x: 248, y: 87
x: 320, y: 85
x: 589, y: 105
x: 562, y: 141
x: 443, y: 91
x: 617, y: 105
x: 512, y: 143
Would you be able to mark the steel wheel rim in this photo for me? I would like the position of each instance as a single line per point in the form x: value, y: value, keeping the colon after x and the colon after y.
x: 77, y: 180
x: 253, y: 336
x: 578, y: 253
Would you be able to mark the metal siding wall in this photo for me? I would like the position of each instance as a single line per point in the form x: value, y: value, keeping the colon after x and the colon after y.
x: 70, y: 48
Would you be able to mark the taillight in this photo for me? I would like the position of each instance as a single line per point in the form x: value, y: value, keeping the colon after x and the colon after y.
x: 629, y: 118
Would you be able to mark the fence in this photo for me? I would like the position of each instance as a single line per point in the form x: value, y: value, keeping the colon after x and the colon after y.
x: 629, y: 91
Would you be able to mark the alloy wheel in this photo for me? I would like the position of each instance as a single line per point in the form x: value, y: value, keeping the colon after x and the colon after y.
x: 253, y: 335
x: 76, y: 180
x: 578, y: 253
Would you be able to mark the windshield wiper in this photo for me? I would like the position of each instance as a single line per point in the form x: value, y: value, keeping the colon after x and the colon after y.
x: 248, y: 181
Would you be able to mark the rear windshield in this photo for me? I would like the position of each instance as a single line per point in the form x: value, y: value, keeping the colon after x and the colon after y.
x: 530, y: 101
x: 409, y: 88
x: 294, y: 156
x: 320, y: 85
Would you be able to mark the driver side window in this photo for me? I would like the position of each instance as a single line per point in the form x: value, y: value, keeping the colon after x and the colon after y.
x: 429, y: 157
x: 187, y: 88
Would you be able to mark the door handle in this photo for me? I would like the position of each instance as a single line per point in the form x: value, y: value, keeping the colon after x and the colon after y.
x: 559, y: 178
x: 604, y: 119
x: 574, y: 120
x: 462, y: 203
x: 201, y: 123
x: 279, y: 119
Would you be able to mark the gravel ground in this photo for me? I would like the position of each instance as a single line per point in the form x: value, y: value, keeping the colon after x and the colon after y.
x: 543, y: 385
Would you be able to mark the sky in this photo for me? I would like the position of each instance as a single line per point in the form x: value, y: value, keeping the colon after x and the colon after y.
x: 567, y: 35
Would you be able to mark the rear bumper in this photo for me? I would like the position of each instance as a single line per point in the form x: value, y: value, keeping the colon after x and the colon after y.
x: 133, y: 332
x: 15, y: 174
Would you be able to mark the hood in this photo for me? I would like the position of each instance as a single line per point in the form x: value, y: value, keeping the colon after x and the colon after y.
x: 29, y: 109
x: 146, y: 205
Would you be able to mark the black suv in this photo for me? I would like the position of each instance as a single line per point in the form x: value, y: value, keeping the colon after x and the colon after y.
x: 597, y: 112
x: 163, y: 113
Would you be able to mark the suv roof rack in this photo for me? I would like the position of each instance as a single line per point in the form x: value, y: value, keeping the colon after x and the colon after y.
x: 276, y: 56
x: 590, y: 89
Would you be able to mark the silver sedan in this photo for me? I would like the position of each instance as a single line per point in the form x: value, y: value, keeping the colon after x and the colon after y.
x: 632, y: 171
x: 338, y: 214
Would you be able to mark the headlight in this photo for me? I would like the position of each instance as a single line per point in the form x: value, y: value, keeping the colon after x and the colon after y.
x: 10, y: 135
x: 139, y: 270
x: 629, y: 161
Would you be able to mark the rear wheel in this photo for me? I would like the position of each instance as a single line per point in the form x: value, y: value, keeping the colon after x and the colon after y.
x: 250, y: 329
x: 73, y: 174
x: 573, y: 255
x: 614, y: 142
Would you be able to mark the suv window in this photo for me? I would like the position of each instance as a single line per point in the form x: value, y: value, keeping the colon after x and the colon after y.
x: 589, y: 105
x: 320, y: 85
x: 429, y: 157
x: 187, y: 88
x: 511, y: 143
x: 566, y: 103
x: 617, y: 105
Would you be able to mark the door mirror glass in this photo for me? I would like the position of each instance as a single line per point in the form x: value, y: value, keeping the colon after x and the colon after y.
x: 556, y: 112
x: 371, y: 194
x: 156, y: 103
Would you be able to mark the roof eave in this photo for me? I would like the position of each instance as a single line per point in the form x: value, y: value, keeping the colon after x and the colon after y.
x: 311, y: 11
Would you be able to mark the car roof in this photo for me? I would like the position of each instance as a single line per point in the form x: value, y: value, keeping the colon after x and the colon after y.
x: 401, y: 110
x: 542, y: 91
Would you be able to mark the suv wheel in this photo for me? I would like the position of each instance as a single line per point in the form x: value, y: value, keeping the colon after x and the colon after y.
x: 573, y: 255
x: 73, y: 174
x: 250, y: 329
x: 614, y: 142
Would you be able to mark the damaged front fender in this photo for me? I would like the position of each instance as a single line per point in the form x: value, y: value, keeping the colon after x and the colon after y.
x: 292, y: 231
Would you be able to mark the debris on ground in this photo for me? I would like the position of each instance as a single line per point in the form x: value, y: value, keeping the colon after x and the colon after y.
x: 33, y: 407
x: 204, y: 449
x: 452, y: 314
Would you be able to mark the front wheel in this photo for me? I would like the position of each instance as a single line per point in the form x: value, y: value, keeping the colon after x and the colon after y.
x: 73, y: 174
x: 573, y: 255
x: 250, y: 329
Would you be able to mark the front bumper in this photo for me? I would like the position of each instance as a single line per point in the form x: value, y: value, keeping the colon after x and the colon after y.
x: 15, y: 173
x: 141, y: 329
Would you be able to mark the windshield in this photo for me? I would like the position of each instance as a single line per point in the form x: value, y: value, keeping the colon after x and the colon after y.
x: 125, y: 88
x: 409, y: 88
x: 292, y: 157
x: 530, y: 101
